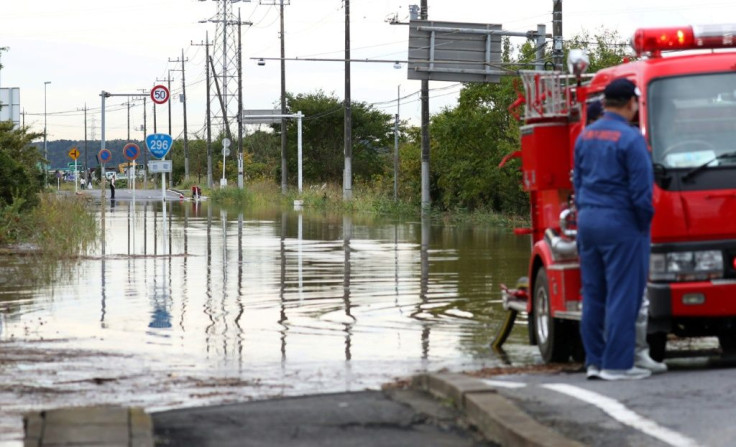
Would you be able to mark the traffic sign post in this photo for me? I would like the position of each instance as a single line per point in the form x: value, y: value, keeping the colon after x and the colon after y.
x: 159, y: 144
x: 160, y: 94
x: 104, y: 156
x: 74, y: 154
x: 225, y: 153
x: 131, y: 151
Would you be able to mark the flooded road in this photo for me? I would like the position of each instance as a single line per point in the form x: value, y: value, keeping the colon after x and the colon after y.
x: 225, y: 305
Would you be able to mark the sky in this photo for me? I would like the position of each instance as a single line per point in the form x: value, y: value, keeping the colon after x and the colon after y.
x: 85, y: 46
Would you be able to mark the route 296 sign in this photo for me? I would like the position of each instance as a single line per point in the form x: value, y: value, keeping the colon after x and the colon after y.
x: 159, y: 144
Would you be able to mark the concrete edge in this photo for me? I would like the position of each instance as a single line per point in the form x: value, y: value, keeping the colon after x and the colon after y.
x: 89, y: 425
x: 498, y: 418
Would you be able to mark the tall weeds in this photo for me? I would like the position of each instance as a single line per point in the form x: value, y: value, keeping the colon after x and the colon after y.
x: 60, y: 226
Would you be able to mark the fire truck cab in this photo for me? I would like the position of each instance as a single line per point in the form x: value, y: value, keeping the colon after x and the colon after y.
x: 688, y: 116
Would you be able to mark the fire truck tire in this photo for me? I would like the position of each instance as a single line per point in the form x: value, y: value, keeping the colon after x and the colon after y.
x: 552, y: 334
x: 657, y: 342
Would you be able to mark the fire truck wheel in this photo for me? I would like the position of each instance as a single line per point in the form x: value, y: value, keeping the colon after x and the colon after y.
x: 657, y: 342
x: 551, y: 333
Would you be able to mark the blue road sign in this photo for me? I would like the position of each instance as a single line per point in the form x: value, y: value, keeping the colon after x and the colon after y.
x: 159, y: 144
x: 131, y: 151
x: 105, y: 155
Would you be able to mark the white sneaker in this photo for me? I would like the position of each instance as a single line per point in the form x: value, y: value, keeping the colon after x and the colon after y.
x: 593, y: 372
x: 625, y: 374
x: 642, y: 360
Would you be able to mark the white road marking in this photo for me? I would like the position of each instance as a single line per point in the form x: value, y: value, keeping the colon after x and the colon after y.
x: 618, y: 411
x: 503, y: 384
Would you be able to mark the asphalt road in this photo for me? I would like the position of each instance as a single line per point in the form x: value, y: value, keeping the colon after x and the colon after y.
x: 694, y: 404
x: 370, y: 418
x: 125, y: 194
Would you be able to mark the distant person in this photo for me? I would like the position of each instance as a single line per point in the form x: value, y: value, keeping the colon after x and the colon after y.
x: 593, y: 112
x: 613, y: 182
x: 112, y: 186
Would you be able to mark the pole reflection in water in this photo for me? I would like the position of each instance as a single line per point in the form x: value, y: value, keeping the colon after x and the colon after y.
x: 210, y: 297
x: 424, y: 282
x: 184, y: 272
x: 223, y: 303
x: 282, y: 289
x: 347, y: 234
x: 239, y: 303
x: 167, y: 261
x: 155, y: 231
x: 103, y: 288
x: 161, y: 297
x: 300, y: 273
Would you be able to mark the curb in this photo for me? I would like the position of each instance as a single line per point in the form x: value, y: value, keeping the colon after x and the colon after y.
x: 499, y: 419
x: 111, y: 426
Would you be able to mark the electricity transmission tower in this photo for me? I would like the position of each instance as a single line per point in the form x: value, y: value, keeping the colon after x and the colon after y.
x: 225, y: 61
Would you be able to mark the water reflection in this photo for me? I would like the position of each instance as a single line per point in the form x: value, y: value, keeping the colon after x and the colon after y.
x: 269, y: 293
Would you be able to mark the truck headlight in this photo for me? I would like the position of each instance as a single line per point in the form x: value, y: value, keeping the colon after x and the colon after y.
x: 686, y: 265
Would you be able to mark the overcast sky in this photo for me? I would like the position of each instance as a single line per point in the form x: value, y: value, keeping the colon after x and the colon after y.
x: 86, y: 46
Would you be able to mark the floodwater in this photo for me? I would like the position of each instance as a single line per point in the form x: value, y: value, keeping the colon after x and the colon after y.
x: 193, y: 304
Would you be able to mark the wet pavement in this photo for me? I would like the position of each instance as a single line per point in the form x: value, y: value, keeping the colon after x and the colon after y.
x: 369, y: 418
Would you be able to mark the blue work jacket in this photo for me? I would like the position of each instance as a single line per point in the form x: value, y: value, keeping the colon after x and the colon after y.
x: 613, y: 169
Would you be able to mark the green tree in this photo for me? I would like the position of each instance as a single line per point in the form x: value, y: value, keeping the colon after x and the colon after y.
x: 605, y: 48
x: 323, y: 138
x: 20, y: 177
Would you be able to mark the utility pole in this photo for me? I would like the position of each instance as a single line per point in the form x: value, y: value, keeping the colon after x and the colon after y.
x: 347, y: 186
x: 208, y: 120
x: 426, y: 200
x: 396, y: 145
x: 168, y: 81
x: 86, y: 167
x: 128, y: 104
x: 184, y: 97
x: 240, y: 103
x: 154, y: 115
x: 145, y: 132
x: 45, y: 146
x: 557, y: 53
x: 283, y: 103
x: 284, y: 172
x: 222, y: 103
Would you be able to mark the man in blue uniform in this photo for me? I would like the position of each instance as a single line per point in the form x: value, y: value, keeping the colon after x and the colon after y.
x: 613, y: 194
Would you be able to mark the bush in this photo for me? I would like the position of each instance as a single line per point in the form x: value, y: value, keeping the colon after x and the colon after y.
x: 17, y: 184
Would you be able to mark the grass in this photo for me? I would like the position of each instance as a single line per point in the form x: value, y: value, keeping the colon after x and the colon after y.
x: 365, y: 200
x: 61, y: 226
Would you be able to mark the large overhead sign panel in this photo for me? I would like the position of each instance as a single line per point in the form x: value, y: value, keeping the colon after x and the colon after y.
x: 10, y: 105
x: 456, y: 52
x: 261, y: 116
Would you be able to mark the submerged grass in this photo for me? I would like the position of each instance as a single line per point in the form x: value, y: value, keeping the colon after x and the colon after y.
x: 61, y: 226
x: 365, y: 200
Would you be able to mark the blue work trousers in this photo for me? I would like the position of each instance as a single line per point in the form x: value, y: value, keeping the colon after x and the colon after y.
x: 614, y: 272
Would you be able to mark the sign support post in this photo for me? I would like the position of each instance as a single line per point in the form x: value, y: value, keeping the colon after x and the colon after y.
x: 131, y: 152
x: 74, y: 154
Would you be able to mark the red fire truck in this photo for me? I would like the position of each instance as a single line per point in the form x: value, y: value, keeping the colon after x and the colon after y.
x: 688, y: 117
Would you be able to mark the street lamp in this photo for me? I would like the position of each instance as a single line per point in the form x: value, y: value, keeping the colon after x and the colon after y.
x: 45, y: 146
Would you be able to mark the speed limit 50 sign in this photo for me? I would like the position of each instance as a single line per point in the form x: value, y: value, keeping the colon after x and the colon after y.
x: 160, y: 94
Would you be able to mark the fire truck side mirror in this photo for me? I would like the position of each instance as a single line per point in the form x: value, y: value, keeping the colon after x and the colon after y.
x: 577, y: 62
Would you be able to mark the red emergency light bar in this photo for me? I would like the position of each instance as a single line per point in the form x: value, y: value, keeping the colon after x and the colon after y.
x: 656, y: 40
